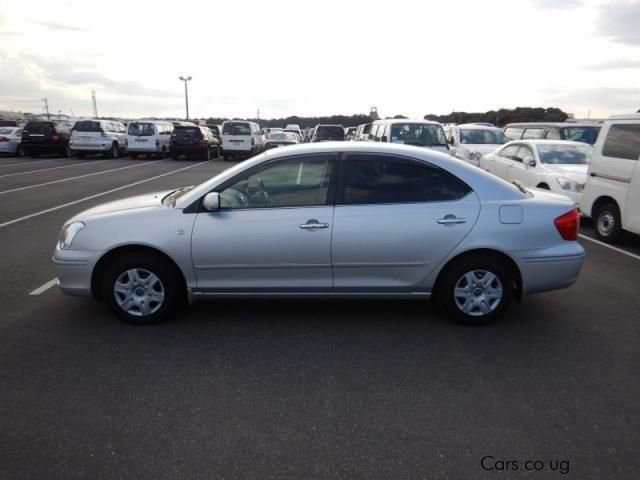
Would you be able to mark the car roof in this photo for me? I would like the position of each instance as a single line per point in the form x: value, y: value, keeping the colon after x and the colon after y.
x: 553, y: 124
x: 625, y: 116
x: 475, y: 126
x: 546, y: 141
x: 405, y: 120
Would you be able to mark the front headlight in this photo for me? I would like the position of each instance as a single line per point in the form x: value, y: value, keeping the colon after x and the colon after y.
x: 570, y: 185
x: 68, y: 234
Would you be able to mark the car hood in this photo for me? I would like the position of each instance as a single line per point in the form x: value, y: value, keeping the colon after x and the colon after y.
x: 482, y: 148
x: 577, y: 173
x: 146, y: 201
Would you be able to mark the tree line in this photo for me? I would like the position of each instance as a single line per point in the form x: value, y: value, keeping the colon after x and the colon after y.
x: 499, y: 117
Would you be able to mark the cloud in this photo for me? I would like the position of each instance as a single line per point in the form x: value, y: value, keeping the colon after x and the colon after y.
x: 60, y: 27
x: 606, y: 100
x: 616, y: 65
x: 556, y: 4
x: 619, y: 21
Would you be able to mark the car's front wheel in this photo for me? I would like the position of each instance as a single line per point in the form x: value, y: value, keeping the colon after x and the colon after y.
x: 142, y: 289
x: 476, y: 289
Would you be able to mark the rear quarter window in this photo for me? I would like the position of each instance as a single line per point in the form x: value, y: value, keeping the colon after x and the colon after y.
x: 623, y: 141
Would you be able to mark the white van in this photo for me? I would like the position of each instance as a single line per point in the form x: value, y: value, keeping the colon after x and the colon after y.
x: 148, y: 138
x: 241, y: 138
x: 421, y: 133
x: 611, y: 195
x: 98, y: 136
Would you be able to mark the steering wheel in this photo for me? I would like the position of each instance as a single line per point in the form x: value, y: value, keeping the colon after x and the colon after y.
x: 263, y: 191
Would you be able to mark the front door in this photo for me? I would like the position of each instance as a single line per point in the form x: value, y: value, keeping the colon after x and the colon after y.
x: 273, y: 231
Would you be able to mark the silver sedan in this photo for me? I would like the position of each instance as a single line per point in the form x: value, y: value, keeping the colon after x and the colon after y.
x: 11, y: 141
x: 329, y: 219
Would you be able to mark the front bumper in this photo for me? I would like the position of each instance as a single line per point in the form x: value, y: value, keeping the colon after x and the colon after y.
x: 74, y: 269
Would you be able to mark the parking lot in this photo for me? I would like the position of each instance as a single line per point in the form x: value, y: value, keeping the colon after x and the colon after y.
x: 300, y: 389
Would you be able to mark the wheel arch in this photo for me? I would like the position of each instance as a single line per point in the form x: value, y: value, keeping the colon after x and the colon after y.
x: 509, y: 262
x: 102, y: 264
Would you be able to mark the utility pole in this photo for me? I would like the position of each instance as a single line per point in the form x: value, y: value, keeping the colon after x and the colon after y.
x: 258, y: 114
x: 95, y: 104
x: 46, y: 107
x: 185, y: 79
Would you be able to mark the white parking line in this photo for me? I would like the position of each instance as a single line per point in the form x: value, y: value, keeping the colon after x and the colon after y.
x: 26, y: 162
x: 610, y: 247
x: 74, y: 178
x: 68, y: 204
x: 51, y: 168
x: 45, y: 287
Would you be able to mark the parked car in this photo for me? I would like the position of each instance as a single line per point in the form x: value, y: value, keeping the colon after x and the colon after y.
x: 557, y: 165
x: 280, y: 139
x: 612, y: 193
x: 420, y: 133
x: 327, y: 133
x: 98, y: 136
x: 268, y: 130
x: 577, y: 132
x: 149, y: 138
x: 45, y: 137
x: 392, y: 221
x: 294, y: 128
x: 362, y: 132
x: 9, y: 123
x: 241, y: 138
x: 350, y: 133
x: 470, y: 141
x: 193, y: 141
x: 11, y: 141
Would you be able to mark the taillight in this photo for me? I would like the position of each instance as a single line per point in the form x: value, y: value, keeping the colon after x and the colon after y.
x: 4, y: 139
x: 55, y: 138
x: 568, y: 225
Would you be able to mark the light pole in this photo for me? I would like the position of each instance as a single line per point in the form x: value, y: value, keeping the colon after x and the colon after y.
x: 186, y: 95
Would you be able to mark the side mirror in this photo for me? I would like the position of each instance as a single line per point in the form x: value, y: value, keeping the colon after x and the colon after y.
x: 530, y: 162
x: 452, y: 141
x: 211, y: 202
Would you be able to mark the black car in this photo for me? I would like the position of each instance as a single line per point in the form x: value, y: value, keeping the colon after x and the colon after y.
x: 42, y: 137
x: 328, y: 133
x: 280, y: 139
x: 194, y: 141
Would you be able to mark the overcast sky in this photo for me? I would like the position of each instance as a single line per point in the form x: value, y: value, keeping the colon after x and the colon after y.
x: 317, y: 58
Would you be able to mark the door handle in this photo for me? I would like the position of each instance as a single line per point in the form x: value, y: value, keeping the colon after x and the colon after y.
x: 451, y: 220
x: 313, y: 224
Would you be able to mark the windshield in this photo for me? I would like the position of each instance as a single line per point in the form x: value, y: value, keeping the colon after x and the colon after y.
x: 282, y: 137
x: 7, y: 131
x: 330, y: 132
x: 482, y: 136
x: 581, y: 134
x: 420, y: 134
x: 141, y: 129
x: 187, y: 132
x: 236, y: 128
x: 564, y: 154
x: 87, y: 126
x: 39, y: 128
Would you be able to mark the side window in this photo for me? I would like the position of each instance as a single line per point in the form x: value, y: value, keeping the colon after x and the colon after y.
x: 623, y: 141
x: 553, y: 134
x: 524, y: 155
x: 372, y: 132
x: 379, y: 132
x: 297, y: 182
x: 513, y: 133
x: 509, y: 152
x: 369, y: 178
x: 530, y: 133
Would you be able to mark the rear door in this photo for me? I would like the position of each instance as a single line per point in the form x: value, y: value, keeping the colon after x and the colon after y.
x: 87, y: 133
x: 38, y: 133
x: 503, y: 160
x: 395, y: 219
x: 236, y: 136
x: 519, y: 168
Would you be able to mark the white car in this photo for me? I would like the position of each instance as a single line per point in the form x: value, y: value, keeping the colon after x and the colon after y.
x: 98, y: 136
x: 557, y: 165
x: 419, y: 133
x: 149, y: 138
x: 612, y: 192
x: 469, y: 142
x: 241, y: 138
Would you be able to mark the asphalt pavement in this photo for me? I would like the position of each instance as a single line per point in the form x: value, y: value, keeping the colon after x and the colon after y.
x: 301, y: 389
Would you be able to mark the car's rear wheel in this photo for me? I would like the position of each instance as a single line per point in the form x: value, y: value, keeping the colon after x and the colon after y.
x: 608, y: 223
x: 67, y: 153
x: 206, y: 155
x: 114, y: 151
x: 142, y: 289
x: 20, y: 151
x: 476, y: 289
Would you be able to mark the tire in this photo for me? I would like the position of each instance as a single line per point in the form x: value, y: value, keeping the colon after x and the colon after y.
x: 20, y: 151
x: 162, y: 154
x: 152, y: 297
x: 114, y: 152
x: 206, y: 155
x: 543, y: 186
x: 67, y: 152
x: 133, y: 156
x: 482, y: 303
x: 217, y: 152
x: 608, y: 223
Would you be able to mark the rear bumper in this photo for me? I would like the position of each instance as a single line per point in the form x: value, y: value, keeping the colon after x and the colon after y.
x: 187, y: 150
x: 90, y: 147
x: 8, y: 147
x: 44, y: 147
x: 551, y: 269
